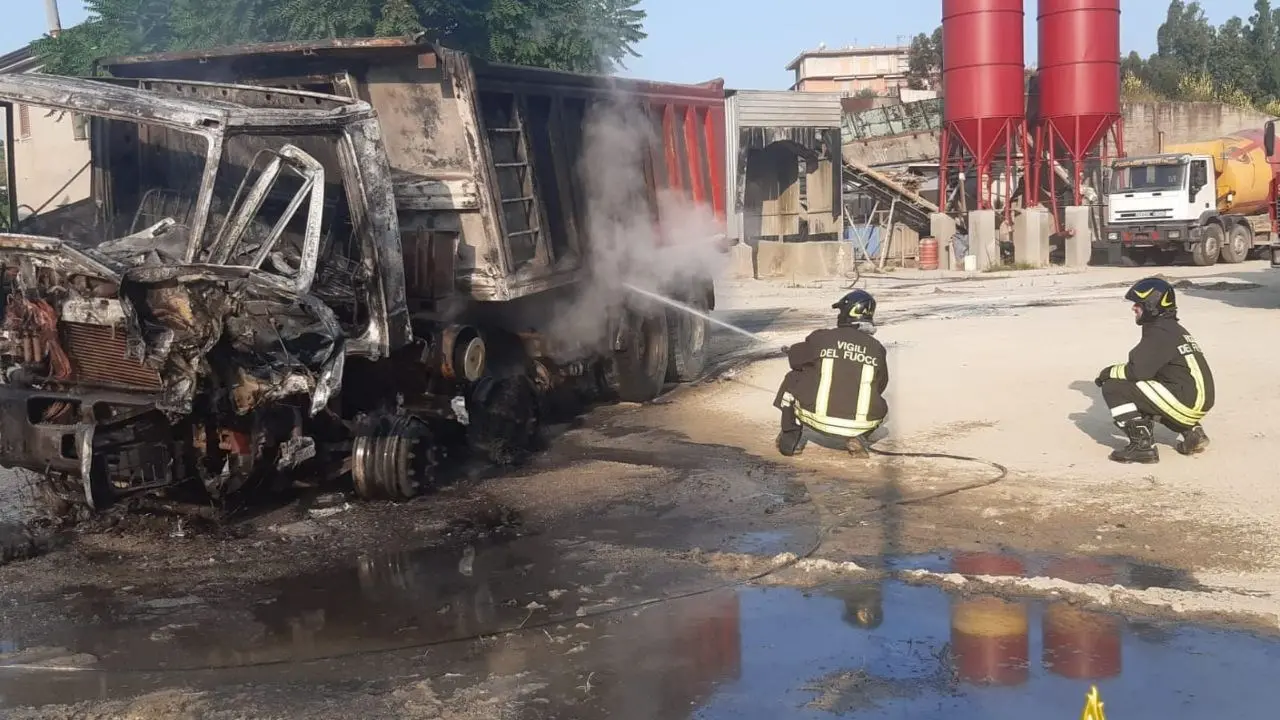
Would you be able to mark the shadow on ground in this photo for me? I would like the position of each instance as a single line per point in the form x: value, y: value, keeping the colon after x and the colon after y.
x: 1096, y: 421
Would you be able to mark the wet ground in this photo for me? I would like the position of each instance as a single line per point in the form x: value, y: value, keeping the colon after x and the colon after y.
x: 527, y: 627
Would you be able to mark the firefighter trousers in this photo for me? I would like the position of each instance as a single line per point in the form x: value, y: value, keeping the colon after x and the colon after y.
x: 792, y: 430
x: 1129, y: 400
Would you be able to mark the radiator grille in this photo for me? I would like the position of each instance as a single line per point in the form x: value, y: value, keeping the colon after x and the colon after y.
x: 98, y: 358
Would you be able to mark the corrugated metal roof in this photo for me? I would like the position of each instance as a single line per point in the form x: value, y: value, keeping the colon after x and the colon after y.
x: 785, y: 108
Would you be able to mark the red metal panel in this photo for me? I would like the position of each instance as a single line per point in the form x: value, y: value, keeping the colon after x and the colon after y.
x: 669, y: 147
x: 983, y: 85
x: 715, y: 156
x: 692, y: 151
x: 1079, y: 70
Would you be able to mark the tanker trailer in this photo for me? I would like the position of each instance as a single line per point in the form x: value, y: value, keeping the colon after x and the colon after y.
x: 1206, y: 200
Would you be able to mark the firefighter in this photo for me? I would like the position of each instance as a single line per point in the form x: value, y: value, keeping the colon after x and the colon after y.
x: 1166, y: 378
x: 837, y: 381
x: 863, y: 605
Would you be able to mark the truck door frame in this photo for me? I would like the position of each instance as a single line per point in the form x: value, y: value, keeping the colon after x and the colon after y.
x: 1207, y: 193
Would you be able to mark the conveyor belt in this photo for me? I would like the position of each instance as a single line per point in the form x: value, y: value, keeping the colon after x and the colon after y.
x: 910, y: 209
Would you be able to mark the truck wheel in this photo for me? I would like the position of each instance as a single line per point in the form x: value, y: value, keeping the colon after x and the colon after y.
x: 506, y: 419
x: 638, y: 371
x: 1239, y: 242
x: 1205, y: 252
x: 393, y: 457
x: 687, y: 344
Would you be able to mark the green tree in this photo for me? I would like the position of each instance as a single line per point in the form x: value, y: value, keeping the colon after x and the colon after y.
x: 1186, y: 36
x: 1233, y: 65
x: 1261, y: 37
x: 924, y: 61
x: 578, y: 35
x: 398, y: 17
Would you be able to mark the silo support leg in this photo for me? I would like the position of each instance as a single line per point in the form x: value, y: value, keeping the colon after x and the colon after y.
x: 1079, y: 236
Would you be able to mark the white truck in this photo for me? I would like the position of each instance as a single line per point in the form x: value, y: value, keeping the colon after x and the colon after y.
x: 1208, y: 200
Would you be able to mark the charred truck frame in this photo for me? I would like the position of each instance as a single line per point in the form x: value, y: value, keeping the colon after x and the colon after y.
x: 309, y: 260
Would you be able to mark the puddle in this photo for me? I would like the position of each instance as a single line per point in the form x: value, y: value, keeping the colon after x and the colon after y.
x: 858, y: 648
x: 1084, y: 570
x: 936, y: 655
x: 765, y: 542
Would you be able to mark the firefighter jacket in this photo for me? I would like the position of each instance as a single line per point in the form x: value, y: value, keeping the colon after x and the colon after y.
x: 1169, y: 368
x: 837, y: 381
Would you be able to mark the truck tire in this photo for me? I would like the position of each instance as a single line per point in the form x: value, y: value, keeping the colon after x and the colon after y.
x: 506, y: 419
x: 687, y: 344
x: 1239, y: 243
x: 1205, y: 252
x: 638, y: 372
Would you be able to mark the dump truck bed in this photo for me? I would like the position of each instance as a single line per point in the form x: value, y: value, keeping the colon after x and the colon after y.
x: 487, y: 157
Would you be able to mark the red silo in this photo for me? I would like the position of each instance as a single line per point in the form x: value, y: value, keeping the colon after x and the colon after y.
x: 983, y: 85
x: 1079, y: 81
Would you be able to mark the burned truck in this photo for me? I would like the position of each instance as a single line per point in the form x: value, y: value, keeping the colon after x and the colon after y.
x: 332, y: 260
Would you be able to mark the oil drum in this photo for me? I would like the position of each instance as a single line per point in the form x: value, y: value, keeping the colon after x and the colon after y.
x: 928, y: 254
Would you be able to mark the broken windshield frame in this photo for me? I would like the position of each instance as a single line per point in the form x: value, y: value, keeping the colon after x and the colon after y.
x: 230, y: 240
x: 151, y: 189
x: 145, y: 207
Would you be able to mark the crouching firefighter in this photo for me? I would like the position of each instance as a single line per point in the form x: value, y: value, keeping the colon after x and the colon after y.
x: 837, y: 380
x: 1166, y: 378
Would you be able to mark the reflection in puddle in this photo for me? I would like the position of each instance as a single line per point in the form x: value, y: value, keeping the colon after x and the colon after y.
x: 864, y: 648
x: 1100, y: 570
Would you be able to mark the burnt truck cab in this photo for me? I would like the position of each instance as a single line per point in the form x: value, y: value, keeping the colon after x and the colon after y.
x: 303, y: 261
x: 236, y: 250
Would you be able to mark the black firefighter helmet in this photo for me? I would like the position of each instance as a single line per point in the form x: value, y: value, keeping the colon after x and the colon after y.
x: 1157, y: 298
x: 856, y: 307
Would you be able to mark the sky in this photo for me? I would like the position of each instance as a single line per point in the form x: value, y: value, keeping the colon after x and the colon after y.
x: 748, y: 42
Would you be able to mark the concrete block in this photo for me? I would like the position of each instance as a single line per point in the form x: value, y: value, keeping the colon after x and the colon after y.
x: 770, y: 261
x: 741, y: 263
x: 818, y: 260
x: 943, y: 228
x: 1031, y: 238
x: 804, y: 260
x: 1079, y: 243
x: 983, y: 241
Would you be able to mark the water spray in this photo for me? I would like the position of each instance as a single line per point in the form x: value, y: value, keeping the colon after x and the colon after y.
x: 695, y: 312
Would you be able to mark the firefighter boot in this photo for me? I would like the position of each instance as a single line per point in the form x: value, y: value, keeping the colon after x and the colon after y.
x: 857, y: 447
x: 791, y: 442
x: 1193, y: 441
x: 1141, y: 447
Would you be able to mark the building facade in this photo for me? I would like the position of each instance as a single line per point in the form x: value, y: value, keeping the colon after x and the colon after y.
x: 50, y: 149
x: 851, y: 70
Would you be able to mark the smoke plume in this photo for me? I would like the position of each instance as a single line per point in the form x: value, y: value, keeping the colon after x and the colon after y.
x: 663, y: 249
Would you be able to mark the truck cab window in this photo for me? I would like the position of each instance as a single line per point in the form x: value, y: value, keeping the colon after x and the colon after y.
x: 1199, y: 176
